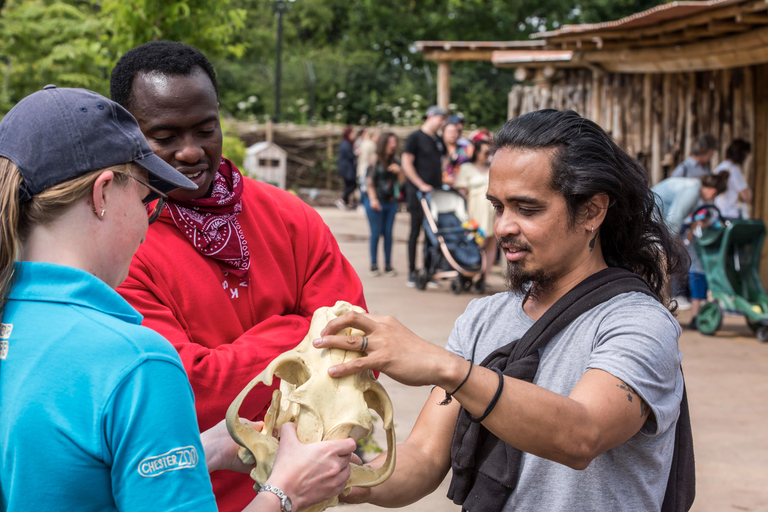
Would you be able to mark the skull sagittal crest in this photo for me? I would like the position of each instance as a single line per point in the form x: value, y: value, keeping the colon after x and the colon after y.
x: 322, y: 407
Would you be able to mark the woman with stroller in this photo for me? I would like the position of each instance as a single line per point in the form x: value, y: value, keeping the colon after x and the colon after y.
x: 383, y: 181
x: 677, y: 198
x: 97, y: 412
x: 472, y: 183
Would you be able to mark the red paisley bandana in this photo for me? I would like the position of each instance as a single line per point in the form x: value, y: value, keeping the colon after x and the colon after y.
x: 211, y: 223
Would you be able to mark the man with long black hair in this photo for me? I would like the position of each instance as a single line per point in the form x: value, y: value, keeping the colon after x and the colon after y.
x: 565, y: 393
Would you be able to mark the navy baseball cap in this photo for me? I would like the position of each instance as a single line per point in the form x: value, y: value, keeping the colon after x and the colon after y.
x: 55, y: 135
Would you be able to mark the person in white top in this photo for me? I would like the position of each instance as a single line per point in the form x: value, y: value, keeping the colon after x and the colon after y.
x: 472, y: 183
x: 733, y: 202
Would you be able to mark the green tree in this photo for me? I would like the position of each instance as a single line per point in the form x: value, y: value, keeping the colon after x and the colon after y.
x: 361, y: 51
x: 597, y: 11
x: 50, y: 42
x: 210, y: 25
x: 75, y: 43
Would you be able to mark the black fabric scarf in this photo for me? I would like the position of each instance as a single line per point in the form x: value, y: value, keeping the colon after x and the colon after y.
x: 486, y: 469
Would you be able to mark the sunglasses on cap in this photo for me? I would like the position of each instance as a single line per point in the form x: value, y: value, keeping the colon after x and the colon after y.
x: 154, y: 194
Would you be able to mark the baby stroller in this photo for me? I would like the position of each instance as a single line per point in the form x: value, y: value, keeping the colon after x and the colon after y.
x: 730, y: 256
x: 450, y: 248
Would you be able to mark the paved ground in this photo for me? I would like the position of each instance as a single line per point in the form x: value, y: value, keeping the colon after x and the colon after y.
x: 726, y: 375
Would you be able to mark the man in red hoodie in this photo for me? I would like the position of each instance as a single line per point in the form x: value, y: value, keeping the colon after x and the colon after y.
x: 232, y: 272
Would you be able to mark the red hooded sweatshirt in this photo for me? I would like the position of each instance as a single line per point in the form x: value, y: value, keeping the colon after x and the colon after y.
x: 227, y: 329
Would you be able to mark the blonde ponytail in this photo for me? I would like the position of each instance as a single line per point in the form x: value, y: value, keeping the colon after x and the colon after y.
x: 10, y: 180
x: 16, y: 219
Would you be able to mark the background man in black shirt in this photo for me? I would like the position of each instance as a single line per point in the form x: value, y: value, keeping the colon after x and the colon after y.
x: 422, y: 166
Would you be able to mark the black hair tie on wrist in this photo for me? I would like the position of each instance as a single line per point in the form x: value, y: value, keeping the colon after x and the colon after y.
x: 449, y: 396
x: 493, y: 402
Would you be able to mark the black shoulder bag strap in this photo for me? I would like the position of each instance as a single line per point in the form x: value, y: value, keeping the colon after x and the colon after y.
x: 485, y: 469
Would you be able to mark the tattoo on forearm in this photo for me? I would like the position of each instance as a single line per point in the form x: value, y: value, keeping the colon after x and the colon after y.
x: 631, y: 394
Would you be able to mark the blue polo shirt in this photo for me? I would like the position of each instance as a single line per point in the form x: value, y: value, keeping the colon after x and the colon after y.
x: 96, y: 412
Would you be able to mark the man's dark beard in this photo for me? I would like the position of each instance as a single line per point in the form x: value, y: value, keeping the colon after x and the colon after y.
x: 517, y: 281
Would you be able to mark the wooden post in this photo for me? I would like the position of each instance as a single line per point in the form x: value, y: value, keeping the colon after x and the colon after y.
x: 680, y: 128
x: 726, y: 133
x: 633, y: 115
x: 597, y: 91
x: 749, y: 124
x: 760, y: 147
x: 717, y: 101
x: 270, y: 131
x: 738, y: 108
x: 608, y: 96
x: 703, y: 108
x: 666, y: 123
x: 444, y: 83
x: 617, y: 119
x: 690, y: 93
x: 647, y: 109
x: 656, y: 172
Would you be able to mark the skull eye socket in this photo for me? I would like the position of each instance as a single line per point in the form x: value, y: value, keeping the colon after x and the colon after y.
x: 293, y: 371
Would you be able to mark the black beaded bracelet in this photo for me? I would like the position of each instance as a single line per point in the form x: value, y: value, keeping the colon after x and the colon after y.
x: 449, y: 396
x: 493, y: 402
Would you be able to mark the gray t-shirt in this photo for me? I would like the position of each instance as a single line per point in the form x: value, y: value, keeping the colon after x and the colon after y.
x: 632, y: 337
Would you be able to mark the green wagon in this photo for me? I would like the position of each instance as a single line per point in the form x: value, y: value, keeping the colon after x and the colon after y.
x: 731, y: 259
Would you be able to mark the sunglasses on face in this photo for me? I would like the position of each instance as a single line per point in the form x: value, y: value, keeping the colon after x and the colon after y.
x: 154, y: 194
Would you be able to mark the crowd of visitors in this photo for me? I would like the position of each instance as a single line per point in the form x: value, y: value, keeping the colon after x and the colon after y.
x: 433, y: 157
x: 692, y: 185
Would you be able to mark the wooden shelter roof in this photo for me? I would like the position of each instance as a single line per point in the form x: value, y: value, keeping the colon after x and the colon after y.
x: 659, y: 14
x: 667, y: 26
x: 471, y: 50
x: 674, y: 37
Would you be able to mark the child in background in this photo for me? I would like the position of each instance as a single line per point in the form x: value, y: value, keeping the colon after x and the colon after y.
x: 697, y: 280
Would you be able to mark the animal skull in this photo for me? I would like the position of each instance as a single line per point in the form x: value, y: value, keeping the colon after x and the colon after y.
x: 322, y: 407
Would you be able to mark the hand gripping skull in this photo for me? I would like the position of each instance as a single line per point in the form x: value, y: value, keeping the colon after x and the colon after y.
x: 322, y: 407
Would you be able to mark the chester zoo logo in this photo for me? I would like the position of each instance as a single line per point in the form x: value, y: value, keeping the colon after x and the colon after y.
x: 178, y: 458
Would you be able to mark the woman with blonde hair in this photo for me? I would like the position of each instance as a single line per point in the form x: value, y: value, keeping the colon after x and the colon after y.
x: 96, y: 411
